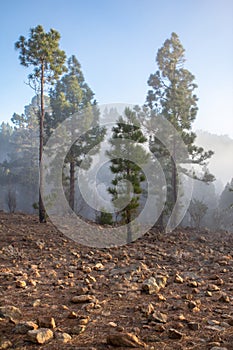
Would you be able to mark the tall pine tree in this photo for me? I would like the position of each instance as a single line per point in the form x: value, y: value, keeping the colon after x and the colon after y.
x: 42, y: 52
x: 172, y: 96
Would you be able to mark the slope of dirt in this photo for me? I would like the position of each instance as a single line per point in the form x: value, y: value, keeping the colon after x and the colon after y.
x: 43, y: 274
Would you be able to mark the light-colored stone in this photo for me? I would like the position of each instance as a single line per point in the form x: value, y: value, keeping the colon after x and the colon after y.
x: 46, y: 322
x: 40, y: 336
x: 212, y: 287
x: 63, y: 337
x: 5, y: 344
x: 99, y: 267
x: 124, y: 339
x: 21, y: 284
x: 153, y: 285
x: 11, y: 312
x: 178, y: 279
x: 158, y: 316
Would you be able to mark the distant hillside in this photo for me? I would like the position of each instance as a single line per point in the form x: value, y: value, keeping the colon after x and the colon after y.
x: 221, y: 164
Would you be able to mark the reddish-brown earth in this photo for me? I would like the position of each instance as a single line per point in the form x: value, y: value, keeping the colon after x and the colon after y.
x: 41, y: 271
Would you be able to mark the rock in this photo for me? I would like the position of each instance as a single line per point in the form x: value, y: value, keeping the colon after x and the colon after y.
x: 5, y: 344
x: 36, y: 303
x: 11, y: 312
x: 159, y: 327
x: 158, y: 316
x: 174, y: 334
x: 213, y: 322
x: 181, y: 317
x: 24, y: 327
x: 32, y: 282
x: 40, y: 336
x: 21, y: 284
x: 215, y: 328
x: 194, y: 326
x: 112, y: 324
x: 63, y: 337
x: 193, y: 284
x: 83, y: 320
x: 161, y: 297
x: 82, y: 290
x: 192, y: 304
x: 219, y: 281
x: 153, y: 285
x: 148, y: 309
x: 78, y: 329
x: 161, y: 281
x: 224, y: 298
x: 73, y: 315
x: 46, y: 322
x: 208, y: 293
x: 99, y: 267
x: 178, y: 279
x: 86, y: 269
x: 83, y: 299
x: 125, y: 339
x: 212, y: 287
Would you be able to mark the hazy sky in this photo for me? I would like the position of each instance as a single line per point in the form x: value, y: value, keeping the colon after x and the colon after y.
x: 116, y: 42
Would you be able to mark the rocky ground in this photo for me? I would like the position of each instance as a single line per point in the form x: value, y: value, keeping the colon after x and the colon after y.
x: 161, y: 292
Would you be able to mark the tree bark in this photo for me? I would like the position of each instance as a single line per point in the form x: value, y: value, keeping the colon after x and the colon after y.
x: 42, y: 214
x: 72, y: 183
x: 174, y: 182
x: 129, y: 230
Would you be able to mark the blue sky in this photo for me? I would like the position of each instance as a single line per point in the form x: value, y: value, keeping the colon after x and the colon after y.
x: 116, y: 42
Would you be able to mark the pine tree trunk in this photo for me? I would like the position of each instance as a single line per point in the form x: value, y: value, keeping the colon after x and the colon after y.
x: 42, y: 214
x: 129, y: 231
x: 159, y: 224
x: 72, y: 183
x: 174, y: 182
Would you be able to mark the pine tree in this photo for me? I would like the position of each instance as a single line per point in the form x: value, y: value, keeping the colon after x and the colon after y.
x: 73, y: 95
x: 126, y: 187
x: 172, y: 96
x: 42, y: 52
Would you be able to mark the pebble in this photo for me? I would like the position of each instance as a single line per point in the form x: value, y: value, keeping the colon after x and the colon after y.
x: 21, y: 284
x: 83, y: 299
x: 5, y: 344
x: 46, y: 322
x: 158, y: 317
x: 24, y: 327
x: 124, y: 339
x: 178, y: 279
x: 63, y: 337
x: 174, y: 334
